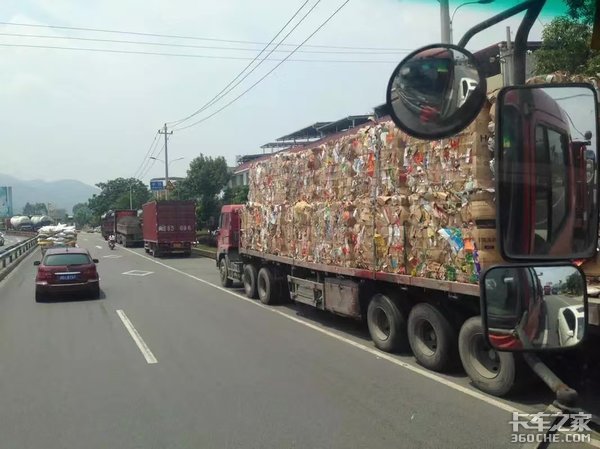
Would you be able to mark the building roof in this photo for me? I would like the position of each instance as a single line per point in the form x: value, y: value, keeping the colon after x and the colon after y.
x: 308, y: 132
x: 344, y: 124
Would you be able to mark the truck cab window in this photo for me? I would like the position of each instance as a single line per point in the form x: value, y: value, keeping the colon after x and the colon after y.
x: 550, y: 184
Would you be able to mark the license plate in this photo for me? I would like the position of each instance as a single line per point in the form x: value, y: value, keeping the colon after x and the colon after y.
x: 176, y: 245
x: 67, y: 277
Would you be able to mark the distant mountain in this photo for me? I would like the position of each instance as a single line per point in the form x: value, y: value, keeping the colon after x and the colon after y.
x: 63, y: 194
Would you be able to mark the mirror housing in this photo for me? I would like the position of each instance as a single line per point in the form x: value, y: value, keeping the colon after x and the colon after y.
x: 436, y: 91
x: 547, y: 172
x: 525, y: 309
x: 95, y: 261
x: 37, y: 262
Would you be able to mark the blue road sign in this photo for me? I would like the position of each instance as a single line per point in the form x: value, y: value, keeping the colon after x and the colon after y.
x: 156, y: 185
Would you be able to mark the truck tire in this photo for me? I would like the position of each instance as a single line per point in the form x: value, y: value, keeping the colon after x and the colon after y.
x: 249, y: 279
x: 387, y: 324
x: 491, y: 371
x: 224, y: 273
x: 432, y: 338
x: 266, y: 286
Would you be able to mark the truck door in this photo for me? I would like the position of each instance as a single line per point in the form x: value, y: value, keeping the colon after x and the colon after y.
x: 552, y: 190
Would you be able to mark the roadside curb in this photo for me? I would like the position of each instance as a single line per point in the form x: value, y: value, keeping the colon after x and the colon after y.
x: 6, y: 271
x: 205, y: 253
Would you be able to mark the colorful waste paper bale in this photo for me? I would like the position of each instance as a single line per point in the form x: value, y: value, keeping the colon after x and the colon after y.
x: 375, y: 198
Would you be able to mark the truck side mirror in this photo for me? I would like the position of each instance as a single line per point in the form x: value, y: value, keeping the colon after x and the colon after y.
x: 436, y: 91
x: 543, y: 211
x: 526, y: 319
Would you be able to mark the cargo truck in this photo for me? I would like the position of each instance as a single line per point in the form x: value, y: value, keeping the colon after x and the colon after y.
x: 169, y: 227
x: 405, y: 256
x: 124, y: 224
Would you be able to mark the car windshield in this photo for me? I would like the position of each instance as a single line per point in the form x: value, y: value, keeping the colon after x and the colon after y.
x: 53, y: 260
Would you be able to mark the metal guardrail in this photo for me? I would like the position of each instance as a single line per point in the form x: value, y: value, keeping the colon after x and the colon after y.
x: 12, y: 253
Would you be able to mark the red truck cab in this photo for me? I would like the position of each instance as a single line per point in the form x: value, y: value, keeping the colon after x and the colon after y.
x: 541, y: 171
x: 228, y: 234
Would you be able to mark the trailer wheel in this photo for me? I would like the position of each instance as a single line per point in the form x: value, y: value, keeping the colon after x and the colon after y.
x: 387, y: 324
x: 249, y: 280
x: 432, y: 338
x: 491, y: 371
x: 224, y: 272
x: 266, y: 286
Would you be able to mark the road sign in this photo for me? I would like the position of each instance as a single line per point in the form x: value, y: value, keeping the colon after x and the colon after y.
x: 156, y: 185
x: 170, y: 186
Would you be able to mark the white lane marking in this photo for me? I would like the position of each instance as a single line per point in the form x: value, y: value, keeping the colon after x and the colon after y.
x: 98, y: 246
x: 377, y: 353
x: 141, y: 344
x: 137, y: 273
x: 112, y: 256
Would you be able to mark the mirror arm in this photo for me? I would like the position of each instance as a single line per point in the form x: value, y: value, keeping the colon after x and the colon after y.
x: 566, y: 397
x: 520, y: 45
x: 536, y: 5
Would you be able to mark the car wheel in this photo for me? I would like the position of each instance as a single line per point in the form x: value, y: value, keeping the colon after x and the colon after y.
x: 95, y: 291
x: 39, y: 296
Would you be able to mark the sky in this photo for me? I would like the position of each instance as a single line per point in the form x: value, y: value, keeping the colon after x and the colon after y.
x: 92, y: 116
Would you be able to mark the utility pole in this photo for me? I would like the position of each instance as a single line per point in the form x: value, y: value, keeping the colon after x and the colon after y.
x: 445, y: 20
x: 130, y: 197
x: 166, y: 133
x: 506, y: 58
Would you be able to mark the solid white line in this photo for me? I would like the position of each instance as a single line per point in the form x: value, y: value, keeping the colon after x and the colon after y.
x: 376, y: 352
x: 141, y: 344
x: 99, y: 247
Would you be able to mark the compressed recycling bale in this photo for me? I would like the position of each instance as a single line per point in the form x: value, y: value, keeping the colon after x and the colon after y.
x: 376, y: 199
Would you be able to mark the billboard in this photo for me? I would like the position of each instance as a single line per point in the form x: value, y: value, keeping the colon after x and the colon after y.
x: 6, y: 204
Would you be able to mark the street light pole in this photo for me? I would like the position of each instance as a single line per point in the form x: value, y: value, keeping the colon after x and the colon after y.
x: 451, y: 19
x: 165, y: 132
x: 445, y: 21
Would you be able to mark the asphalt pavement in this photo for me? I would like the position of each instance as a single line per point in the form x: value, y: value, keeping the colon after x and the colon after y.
x: 11, y: 240
x: 165, y: 359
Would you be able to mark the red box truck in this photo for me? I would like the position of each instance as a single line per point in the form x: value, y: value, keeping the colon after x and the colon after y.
x: 169, y: 227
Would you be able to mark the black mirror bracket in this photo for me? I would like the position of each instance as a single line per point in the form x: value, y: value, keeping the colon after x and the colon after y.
x: 533, y: 8
x: 566, y: 397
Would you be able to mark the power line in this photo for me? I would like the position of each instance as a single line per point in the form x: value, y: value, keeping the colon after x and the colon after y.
x: 151, y: 164
x: 227, y: 88
x: 205, y: 47
x: 172, y: 36
x: 150, y: 148
x: 270, y: 71
x: 183, y: 55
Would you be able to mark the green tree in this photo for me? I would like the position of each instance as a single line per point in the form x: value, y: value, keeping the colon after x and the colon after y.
x: 35, y: 209
x: 114, y: 194
x: 82, y: 214
x: 235, y: 195
x: 575, y: 284
x: 566, y: 42
x: 206, y: 178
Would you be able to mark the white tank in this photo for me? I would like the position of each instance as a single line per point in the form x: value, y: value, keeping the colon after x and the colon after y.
x: 42, y: 220
x: 21, y: 221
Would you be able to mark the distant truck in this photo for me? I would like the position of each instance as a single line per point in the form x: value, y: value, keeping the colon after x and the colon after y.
x: 169, y: 227
x: 39, y: 221
x: 21, y: 223
x: 124, y: 224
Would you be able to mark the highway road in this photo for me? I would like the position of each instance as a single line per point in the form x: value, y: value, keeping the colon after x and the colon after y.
x: 167, y: 359
x: 11, y: 240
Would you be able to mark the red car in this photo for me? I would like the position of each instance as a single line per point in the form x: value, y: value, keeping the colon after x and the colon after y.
x: 65, y: 270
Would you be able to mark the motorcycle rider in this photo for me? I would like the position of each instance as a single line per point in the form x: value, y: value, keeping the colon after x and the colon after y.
x: 111, y: 240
